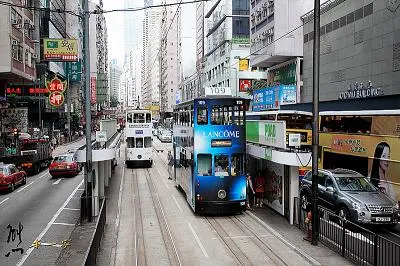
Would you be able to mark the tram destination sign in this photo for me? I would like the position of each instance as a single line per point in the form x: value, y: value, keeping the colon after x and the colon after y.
x: 221, y: 143
x: 218, y: 91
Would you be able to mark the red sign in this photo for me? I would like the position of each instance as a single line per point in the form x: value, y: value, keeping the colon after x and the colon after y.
x: 13, y: 91
x: 56, y: 85
x: 244, y: 85
x: 38, y: 90
x: 56, y: 98
x: 93, y: 90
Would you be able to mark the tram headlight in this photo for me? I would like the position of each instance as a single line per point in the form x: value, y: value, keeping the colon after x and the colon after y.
x: 139, y: 156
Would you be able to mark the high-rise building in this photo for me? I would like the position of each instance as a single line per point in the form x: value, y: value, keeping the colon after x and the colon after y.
x: 150, y: 80
x: 277, y: 44
x: 169, y: 58
x: 227, y: 48
x: 115, y: 72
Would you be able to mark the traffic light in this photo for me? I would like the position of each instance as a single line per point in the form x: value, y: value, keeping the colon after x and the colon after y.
x: 15, y: 131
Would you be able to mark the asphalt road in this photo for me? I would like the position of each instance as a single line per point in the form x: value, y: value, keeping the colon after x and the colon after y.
x: 44, y: 209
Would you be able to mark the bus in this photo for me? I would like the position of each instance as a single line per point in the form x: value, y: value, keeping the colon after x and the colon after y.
x: 364, y: 141
x: 138, y: 136
x: 209, y: 144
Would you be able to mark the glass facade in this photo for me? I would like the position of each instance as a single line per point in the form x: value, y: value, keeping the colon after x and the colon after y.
x: 241, y: 25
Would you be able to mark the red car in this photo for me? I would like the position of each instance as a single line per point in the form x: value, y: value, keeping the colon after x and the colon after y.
x: 11, y: 176
x: 64, y: 165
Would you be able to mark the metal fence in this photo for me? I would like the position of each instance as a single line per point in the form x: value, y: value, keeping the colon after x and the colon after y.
x: 350, y: 240
x: 91, y: 253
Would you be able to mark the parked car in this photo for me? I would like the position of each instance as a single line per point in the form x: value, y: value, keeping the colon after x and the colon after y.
x: 64, y: 165
x: 166, y: 136
x: 352, y: 196
x: 11, y: 176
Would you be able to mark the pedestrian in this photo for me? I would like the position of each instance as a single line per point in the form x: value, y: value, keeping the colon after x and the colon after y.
x: 260, y: 184
x: 250, y: 192
x: 170, y: 164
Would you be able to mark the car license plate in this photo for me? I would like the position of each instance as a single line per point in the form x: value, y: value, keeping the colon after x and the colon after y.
x: 383, y: 219
x: 61, y: 167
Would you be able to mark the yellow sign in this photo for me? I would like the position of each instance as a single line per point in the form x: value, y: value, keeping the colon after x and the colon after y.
x: 60, y: 49
x: 36, y: 244
x: 243, y: 64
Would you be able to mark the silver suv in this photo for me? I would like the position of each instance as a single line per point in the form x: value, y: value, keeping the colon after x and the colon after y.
x: 351, y: 196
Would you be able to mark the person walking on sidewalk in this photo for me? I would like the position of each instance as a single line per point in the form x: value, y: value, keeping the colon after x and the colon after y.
x: 250, y: 192
x: 170, y: 164
x: 260, y: 183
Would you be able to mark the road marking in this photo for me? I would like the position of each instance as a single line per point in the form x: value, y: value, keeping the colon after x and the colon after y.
x: 198, y: 241
x: 120, y: 199
x: 43, y: 175
x: 72, y: 209
x: 81, y: 189
x: 40, y: 236
x: 4, y: 200
x: 64, y: 224
x: 165, y: 183
x: 279, y: 236
x: 26, y: 186
x: 58, y: 181
x: 177, y: 204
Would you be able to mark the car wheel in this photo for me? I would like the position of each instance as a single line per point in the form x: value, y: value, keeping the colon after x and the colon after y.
x: 305, y: 201
x: 24, y: 180
x: 37, y: 169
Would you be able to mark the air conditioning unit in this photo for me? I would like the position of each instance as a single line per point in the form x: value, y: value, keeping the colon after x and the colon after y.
x: 14, y: 42
x: 35, y: 56
x: 18, y: 26
x: 259, y: 9
x: 14, y: 22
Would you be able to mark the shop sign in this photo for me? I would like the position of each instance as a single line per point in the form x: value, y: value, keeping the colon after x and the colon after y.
x: 361, y: 91
x: 264, y: 99
x: 74, y: 71
x: 60, y: 49
x: 268, y: 154
x: 222, y: 91
x: 56, y: 98
x: 38, y: 90
x: 56, y: 85
x: 93, y: 90
x: 285, y: 75
x: 240, y: 40
x: 244, y: 85
x: 272, y: 133
x: 294, y: 140
x: 14, y: 91
x: 287, y: 94
x: 243, y: 64
x: 101, y: 136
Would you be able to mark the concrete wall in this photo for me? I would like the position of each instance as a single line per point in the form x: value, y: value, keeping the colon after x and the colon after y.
x: 365, y: 50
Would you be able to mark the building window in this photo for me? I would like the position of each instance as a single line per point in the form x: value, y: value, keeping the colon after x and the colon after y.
x: 241, y: 27
x: 13, y: 16
x: 27, y: 58
x: 14, y: 50
x: 20, y: 53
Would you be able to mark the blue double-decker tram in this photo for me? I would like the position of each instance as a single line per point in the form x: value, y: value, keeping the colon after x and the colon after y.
x: 209, y: 141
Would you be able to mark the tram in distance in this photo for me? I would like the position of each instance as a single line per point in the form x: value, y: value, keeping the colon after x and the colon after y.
x: 138, y: 136
x: 209, y: 142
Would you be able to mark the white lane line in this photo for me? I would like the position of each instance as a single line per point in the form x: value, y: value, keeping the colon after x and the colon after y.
x: 120, y: 199
x: 81, y: 189
x: 177, y: 204
x: 279, y: 236
x: 4, y: 200
x: 58, y: 181
x: 198, y: 241
x: 64, y: 224
x: 26, y: 186
x: 43, y: 175
x: 72, y: 209
x: 234, y: 237
x: 40, y: 236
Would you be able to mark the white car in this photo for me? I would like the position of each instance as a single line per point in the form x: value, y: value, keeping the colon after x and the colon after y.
x: 166, y: 136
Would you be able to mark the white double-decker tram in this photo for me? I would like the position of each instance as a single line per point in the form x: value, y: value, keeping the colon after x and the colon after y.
x: 138, y: 136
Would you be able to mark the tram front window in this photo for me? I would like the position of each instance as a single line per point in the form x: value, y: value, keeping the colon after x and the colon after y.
x: 204, y: 163
x: 139, y: 142
x: 138, y: 118
x: 147, y: 142
x: 130, y: 142
x: 221, y: 165
x: 148, y: 118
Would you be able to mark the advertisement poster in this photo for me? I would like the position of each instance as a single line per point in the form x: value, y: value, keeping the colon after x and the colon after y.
x: 93, y: 90
x: 264, y: 99
x: 244, y: 85
x: 374, y: 156
x: 60, y: 49
x: 287, y: 94
x: 274, y: 186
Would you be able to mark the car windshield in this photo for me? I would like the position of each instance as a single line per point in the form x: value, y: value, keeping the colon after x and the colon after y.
x: 60, y: 159
x: 356, y: 184
x: 2, y: 171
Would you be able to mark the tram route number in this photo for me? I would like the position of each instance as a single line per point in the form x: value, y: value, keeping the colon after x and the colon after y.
x: 218, y: 91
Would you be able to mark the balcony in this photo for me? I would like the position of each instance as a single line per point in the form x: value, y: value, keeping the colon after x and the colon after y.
x: 17, y: 65
x: 30, y: 71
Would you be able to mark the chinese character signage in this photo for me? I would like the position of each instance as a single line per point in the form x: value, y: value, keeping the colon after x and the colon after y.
x: 56, y: 88
x: 74, y: 71
x: 285, y: 75
x: 287, y: 94
x: 243, y: 64
x: 14, y: 91
x: 60, y: 49
x: 244, y: 85
x: 274, y: 97
x: 56, y: 99
x: 25, y: 91
x: 93, y: 90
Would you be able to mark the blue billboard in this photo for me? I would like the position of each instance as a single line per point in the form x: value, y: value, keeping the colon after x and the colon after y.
x: 272, y: 97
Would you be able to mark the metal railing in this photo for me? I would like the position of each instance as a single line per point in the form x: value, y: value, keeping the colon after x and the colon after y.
x: 91, y: 253
x: 350, y: 240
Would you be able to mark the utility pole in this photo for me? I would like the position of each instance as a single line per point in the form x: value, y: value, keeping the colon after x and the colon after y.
x: 88, y: 167
x: 315, y: 131
x: 68, y: 105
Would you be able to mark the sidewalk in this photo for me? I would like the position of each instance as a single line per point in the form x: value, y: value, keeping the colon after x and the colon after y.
x: 293, y: 237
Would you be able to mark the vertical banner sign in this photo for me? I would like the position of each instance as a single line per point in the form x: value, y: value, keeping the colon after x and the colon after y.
x: 74, y: 71
x: 93, y: 90
x: 243, y: 64
x: 56, y: 88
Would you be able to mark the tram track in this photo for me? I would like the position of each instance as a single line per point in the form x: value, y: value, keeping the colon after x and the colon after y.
x: 168, y: 239
x: 140, y: 248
